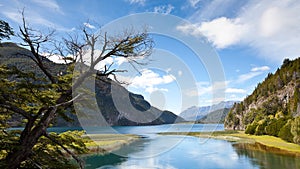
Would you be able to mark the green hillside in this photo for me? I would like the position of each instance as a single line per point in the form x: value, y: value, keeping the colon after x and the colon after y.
x: 274, y: 106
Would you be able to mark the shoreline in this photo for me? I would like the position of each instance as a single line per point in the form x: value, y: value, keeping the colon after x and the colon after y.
x: 107, y: 143
x: 265, y: 143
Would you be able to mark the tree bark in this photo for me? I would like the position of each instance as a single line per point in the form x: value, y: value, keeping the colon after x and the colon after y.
x: 22, y: 152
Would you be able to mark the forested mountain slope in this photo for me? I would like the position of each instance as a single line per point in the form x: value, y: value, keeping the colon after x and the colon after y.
x: 273, y: 105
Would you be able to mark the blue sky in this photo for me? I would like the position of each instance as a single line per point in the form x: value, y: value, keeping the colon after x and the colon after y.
x: 251, y: 38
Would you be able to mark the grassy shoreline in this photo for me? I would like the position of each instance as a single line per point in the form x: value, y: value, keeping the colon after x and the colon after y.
x: 273, y: 144
x: 106, y: 143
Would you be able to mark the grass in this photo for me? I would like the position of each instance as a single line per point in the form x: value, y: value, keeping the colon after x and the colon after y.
x: 241, y: 137
x: 271, y: 141
x: 104, y: 143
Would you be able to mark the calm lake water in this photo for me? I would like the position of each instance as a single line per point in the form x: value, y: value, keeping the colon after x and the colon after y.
x: 184, y: 152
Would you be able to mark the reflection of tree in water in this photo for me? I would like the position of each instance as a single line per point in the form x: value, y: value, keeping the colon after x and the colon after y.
x: 260, y: 156
x: 113, y: 159
x: 96, y: 161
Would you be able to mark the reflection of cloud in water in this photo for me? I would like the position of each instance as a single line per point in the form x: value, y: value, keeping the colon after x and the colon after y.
x: 158, y: 146
x: 192, y: 155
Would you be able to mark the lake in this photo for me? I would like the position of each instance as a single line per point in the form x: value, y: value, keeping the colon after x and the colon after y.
x: 155, y: 151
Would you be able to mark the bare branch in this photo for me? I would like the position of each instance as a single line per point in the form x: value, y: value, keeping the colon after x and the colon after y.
x: 34, y: 39
x: 68, y: 103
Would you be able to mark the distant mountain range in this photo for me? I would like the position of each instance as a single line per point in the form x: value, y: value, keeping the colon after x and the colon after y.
x: 217, y: 116
x: 13, y: 55
x: 196, y: 113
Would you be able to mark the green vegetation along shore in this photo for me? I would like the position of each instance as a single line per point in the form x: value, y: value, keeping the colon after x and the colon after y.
x: 105, y: 143
x: 271, y: 143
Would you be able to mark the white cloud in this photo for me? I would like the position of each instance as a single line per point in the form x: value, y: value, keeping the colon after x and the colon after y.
x: 149, y: 79
x: 164, y: 9
x: 58, y: 59
x: 255, y: 71
x: 221, y: 32
x: 212, y: 9
x: 32, y: 14
x: 193, y: 3
x: 270, y: 26
x: 212, y: 94
x: 33, y: 18
x: 13, y: 16
x: 114, y: 62
x: 204, y: 88
x: 153, y: 89
x: 235, y: 90
x: 106, y: 62
x: 120, y: 60
x: 235, y: 97
x: 49, y: 4
x: 89, y: 25
x: 244, y: 77
x: 262, y: 68
x: 141, y: 2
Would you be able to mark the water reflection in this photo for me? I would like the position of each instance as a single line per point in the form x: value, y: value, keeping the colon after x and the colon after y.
x: 97, y: 161
x: 190, y: 152
x: 260, y: 155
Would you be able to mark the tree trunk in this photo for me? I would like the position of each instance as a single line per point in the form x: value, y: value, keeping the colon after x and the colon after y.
x: 15, y: 158
x: 23, y: 151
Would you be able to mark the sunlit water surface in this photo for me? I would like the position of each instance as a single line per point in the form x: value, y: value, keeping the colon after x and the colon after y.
x: 184, y: 152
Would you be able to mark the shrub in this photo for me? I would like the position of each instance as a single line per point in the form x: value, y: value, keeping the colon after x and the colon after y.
x: 250, y: 129
x: 285, y: 132
x: 260, y: 129
x: 295, y: 130
x: 274, y: 127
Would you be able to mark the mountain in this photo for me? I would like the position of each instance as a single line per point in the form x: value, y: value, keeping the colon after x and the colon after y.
x: 195, y: 113
x: 13, y: 55
x: 275, y: 100
x: 217, y: 116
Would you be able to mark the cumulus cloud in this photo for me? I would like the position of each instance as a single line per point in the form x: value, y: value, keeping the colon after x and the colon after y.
x: 164, y: 9
x: 270, y: 26
x: 221, y: 32
x: 148, y: 80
